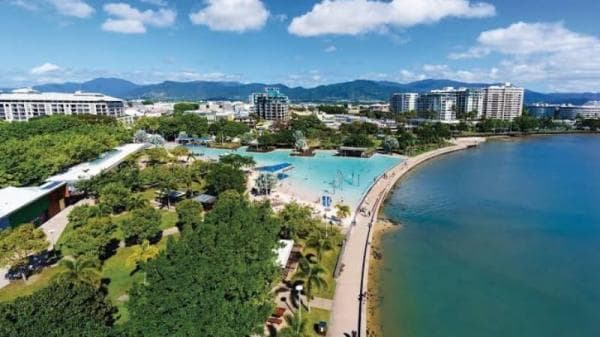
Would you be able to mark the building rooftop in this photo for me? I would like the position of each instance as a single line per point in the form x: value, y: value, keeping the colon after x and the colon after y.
x: 284, y: 251
x: 15, y: 198
x: 32, y: 95
x: 92, y: 168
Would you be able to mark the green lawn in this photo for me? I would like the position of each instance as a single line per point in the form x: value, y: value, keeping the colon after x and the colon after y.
x: 19, y: 288
x: 169, y: 219
x: 313, y: 317
x: 122, y: 279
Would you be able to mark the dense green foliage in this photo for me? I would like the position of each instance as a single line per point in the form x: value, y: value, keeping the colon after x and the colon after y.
x: 333, y: 109
x: 19, y: 242
x: 93, y: 238
x: 33, y: 151
x: 63, y: 309
x: 214, y: 281
x: 144, y: 224
x: 190, y: 214
x: 190, y: 124
x: 222, y: 177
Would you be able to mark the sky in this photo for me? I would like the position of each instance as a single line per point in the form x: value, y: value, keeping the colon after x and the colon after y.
x: 544, y: 45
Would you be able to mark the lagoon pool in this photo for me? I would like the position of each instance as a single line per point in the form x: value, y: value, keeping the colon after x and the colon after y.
x: 345, y: 179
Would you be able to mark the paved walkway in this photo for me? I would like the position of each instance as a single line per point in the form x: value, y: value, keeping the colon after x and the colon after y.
x: 321, y: 303
x: 349, y: 307
x: 54, y: 227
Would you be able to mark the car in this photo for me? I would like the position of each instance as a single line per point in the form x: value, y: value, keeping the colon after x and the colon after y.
x: 322, y: 328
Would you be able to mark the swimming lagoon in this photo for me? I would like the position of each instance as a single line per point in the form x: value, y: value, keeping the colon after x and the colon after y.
x: 345, y: 179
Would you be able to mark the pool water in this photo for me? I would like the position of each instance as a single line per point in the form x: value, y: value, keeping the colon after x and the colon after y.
x: 345, y: 179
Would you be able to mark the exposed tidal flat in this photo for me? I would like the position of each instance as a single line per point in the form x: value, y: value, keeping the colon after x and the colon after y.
x: 501, y: 240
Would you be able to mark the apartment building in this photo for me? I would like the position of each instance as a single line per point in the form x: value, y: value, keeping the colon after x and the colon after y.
x: 23, y: 104
x: 503, y: 101
x: 271, y: 105
x: 403, y: 102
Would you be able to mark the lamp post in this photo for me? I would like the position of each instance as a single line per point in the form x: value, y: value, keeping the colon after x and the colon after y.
x: 52, y: 238
x: 299, y: 291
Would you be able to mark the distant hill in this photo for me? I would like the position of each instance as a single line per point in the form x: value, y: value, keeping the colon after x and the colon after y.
x: 358, y: 90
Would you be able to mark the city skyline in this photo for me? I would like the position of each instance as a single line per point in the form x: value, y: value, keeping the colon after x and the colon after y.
x: 546, y: 49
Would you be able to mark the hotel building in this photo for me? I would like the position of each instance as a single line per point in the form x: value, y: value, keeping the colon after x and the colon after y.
x: 503, y: 102
x: 271, y: 105
x: 23, y: 104
x: 404, y: 102
x: 590, y: 110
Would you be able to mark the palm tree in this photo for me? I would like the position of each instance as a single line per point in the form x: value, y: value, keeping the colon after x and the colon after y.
x: 343, y: 211
x: 137, y: 201
x: 295, y: 327
x: 319, y: 242
x: 82, y: 270
x: 312, y: 276
x: 141, y: 254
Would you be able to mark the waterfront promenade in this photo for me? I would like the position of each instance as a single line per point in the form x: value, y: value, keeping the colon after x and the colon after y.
x: 349, y: 305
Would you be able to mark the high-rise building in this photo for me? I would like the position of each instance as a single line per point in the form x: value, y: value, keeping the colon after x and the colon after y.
x: 439, y: 102
x: 403, y: 102
x: 23, y: 104
x: 590, y: 110
x: 271, y: 105
x: 503, y: 102
x: 469, y: 100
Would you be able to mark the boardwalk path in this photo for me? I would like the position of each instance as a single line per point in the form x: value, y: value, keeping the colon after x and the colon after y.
x: 349, y: 312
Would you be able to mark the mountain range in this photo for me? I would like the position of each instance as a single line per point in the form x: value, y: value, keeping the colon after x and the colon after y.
x: 358, y: 90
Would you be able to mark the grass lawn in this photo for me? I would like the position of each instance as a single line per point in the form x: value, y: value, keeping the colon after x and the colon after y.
x: 122, y: 279
x: 313, y: 317
x: 38, y: 281
x: 169, y: 218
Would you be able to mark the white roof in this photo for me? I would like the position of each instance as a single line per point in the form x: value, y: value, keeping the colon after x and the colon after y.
x: 32, y: 95
x: 106, y: 161
x: 15, y: 198
x: 284, y: 252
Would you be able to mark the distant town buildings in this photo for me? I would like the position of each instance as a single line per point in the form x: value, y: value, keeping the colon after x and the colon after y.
x: 589, y: 110
x: 23, y: 104
x: 271, y: 105
x: 448, y: 104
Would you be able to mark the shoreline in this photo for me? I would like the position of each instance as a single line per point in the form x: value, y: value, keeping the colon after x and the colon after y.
x: 350, y: 305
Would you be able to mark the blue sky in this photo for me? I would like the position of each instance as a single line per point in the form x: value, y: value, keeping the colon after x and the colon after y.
x: 551, y: 45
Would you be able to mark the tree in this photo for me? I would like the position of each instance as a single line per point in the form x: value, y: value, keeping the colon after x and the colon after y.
x: 296, y: 221
x: 320, y: 242
x: 294, y: 327
x: 16, y: 244
x: 190, y: 214
x: 214, y: 281
x: 358, y: 140
x: 144, y: 224
x: 300, y: 143
x: 115, y: 196
x: 92, y: 239
x: 237, y: 161
x: 81, y: 270
x: 140, y: 136
x: 63, y: 309
x: 265, y: 183
x: 180, y: 151
x: 390, y: 144
x: 223, y: 177
x: 180, y: 108
x: 311, y: 274
x: 142, y: 254
x: 342, y: 211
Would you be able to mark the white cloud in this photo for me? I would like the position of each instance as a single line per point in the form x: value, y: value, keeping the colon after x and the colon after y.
x: 547, y: 53
x: 353, y: 17
x: 44, y: 69
x: 76, y: 8
x: 330, y: 49
x: 130, y: 20
x: 25, y: 4
x: 232, y: 15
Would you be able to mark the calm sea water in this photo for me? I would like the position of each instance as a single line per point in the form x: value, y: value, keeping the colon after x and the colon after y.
x: 499, y: 241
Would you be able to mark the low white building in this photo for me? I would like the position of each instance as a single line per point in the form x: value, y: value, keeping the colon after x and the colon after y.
x: 23, y: 104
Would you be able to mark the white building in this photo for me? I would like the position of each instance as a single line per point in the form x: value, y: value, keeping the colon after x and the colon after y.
x: 404, y: 102
x: 23, y: 104
x: 271, y: 105
x: 590, y: 110
x: 503, y: 102
x: 441, y: 102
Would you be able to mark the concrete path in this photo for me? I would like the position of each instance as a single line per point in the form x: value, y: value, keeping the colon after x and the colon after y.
x: 170, y: 231
x: 54, y: 227
x: 349, y: 306
x: 321, y: 303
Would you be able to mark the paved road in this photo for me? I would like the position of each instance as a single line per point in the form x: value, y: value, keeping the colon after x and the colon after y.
x: 348, y: 314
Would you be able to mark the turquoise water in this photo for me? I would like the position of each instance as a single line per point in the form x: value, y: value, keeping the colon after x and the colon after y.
x: 344, y: 179
x: 499, y: 241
